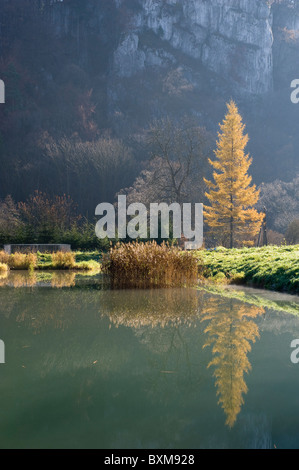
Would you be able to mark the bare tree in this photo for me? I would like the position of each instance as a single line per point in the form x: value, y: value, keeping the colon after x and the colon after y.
x: 91, y: 172
x: 281, y: 200
x: 9, y: 216
x: 180, y: 149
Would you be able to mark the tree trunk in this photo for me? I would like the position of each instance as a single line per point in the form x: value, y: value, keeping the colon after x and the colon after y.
x: 231, y: 223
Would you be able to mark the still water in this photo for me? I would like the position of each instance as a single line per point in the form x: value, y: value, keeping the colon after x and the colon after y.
x: 87, y: 367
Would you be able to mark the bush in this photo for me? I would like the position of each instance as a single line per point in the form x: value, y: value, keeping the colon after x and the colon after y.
x: 62, y: 260
x: 146, y: 265
x: 3, y: 268
x: 4, y: 257
x: 22, y: 261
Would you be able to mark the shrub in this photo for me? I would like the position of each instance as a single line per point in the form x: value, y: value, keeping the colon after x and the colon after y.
x: 146, y: 265
x: 3, y: 268
x: 4, y: 257
x: 21, y: 261
x: 62, y: 260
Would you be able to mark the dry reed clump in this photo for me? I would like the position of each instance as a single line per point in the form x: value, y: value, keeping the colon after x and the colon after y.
x: 3, y: 268
x: 21, y: 261
x: 148, y: 265
x: 62, y: 260
x: 4, y: 257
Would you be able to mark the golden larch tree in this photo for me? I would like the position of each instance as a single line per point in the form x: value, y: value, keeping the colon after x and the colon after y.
x: 231, y: 195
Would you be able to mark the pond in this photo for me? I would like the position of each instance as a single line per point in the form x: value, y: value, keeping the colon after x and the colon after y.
x: 87, y: 367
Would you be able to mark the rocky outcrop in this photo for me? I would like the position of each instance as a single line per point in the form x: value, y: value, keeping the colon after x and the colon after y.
x: 286, y: 43
x: 232, y: 38
x: 250, y: 43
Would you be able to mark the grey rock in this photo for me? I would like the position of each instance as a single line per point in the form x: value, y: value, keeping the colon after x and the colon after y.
x: 232, y: 38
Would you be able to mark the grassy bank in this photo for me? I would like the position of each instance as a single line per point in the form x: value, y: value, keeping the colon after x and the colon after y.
x: 47, y: 261
x: 73, y: 261
x: 272, y: 267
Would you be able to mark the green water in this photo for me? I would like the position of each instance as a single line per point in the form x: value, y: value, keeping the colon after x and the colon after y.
x: 87, y: 367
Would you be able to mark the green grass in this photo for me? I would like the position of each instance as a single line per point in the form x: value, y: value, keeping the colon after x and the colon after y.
x: 272, y: 267
x: 82, y: 262
x: 88, y: 256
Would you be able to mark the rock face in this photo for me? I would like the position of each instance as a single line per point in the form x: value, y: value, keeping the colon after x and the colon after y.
x: 232, y: 38
x: 245, y: 42
x: 149, y: 58
x: 285, y: 47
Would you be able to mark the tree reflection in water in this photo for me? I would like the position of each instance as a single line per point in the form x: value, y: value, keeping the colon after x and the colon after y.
x: 159, y: 319
x: 230, y: 331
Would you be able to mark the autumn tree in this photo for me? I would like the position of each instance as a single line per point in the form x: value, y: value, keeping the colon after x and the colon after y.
x: 231, y: 196
x: 45, y: 217
x: 9, y: 219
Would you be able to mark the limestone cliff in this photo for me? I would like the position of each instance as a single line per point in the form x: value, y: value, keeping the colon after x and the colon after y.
x: 286, y: 43
x: 232, y: 38
x: 244, y: 42
x: 147, y: 58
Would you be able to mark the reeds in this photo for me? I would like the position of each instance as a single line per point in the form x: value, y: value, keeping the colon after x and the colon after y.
x: 149, y: 265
